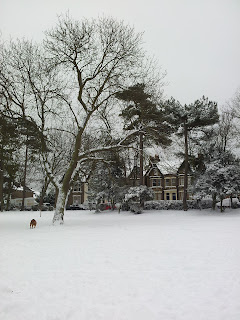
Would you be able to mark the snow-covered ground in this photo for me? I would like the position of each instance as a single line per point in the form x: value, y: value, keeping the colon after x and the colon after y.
x: 159, y: 265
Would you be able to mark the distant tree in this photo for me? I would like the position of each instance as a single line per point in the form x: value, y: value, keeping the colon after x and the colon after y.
x: 227, y: 130
x: 235, y: 103
x: 185, y: 118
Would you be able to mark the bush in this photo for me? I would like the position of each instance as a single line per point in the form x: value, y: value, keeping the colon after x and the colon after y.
x: 176, y: 204
x: 135, y: 207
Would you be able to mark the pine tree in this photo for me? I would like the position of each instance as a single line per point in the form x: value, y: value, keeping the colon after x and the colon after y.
x: 33, y: 141
x: 145, y: 116
x: 185, y: 118
x: 9, y: 143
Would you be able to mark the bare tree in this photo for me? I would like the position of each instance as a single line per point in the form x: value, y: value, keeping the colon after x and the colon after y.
x: 226, y: 129
x: 235, y: 103
x: 100, y: 57
x: 34, y: 94
x: 68, y: 88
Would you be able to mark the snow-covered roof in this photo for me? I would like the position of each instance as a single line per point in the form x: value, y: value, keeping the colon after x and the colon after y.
x: 21, y: 189
x: 169, y: 166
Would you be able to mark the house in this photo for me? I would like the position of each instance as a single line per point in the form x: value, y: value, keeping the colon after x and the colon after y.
x: 166, y: 183
x: 17, y: 195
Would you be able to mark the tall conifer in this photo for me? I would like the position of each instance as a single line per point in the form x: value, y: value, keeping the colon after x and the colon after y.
x: 147, y: 117
x: 185, y: 118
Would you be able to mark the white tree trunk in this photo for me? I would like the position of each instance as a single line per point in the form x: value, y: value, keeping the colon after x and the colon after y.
x: 58, y: 217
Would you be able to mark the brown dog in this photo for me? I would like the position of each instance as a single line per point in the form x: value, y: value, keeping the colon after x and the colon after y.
x: 33, y: 223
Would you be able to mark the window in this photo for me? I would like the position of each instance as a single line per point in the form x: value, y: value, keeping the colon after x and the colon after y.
x: 156, y: 182
x: 181, y: 181
x: 167, y: 196
x: 168, y: 182
x: 77, y: 186
x: 174, y: 196
x: 171, y: 182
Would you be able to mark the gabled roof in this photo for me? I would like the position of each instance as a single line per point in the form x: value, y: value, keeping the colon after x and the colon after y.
x: 154, y: 166
x: 21, y: 189
x: 181, y: 169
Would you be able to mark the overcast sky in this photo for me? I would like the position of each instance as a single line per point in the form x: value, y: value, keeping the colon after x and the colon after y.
x: 196, y: 41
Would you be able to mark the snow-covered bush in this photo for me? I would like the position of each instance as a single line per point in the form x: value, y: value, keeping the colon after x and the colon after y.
x: 176, y: 204
x: 221, y: 177
x: 141, y: 193
x: 136, y: 196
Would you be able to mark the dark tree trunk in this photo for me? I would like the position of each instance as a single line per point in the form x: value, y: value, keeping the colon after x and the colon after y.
x: 43, y: 192
x: 9, y: 195
x: 56, y: 196
x: 141, y: 159
x: 231, y: 200
x: 214, y: 198
x: 185, y: 207
x: 222, y: 209
x: 24, y: 178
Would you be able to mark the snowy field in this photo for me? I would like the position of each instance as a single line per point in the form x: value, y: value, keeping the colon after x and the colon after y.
x: 165, y: 265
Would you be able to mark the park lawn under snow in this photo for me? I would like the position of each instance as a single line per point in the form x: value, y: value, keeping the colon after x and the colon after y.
x: 158, y: 265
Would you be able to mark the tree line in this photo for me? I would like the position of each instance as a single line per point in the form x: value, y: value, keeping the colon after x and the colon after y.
x: 86, y: 96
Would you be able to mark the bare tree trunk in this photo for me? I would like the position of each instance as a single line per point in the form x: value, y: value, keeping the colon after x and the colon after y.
x: 141, y: 159
x: 43, y: 192
x: 60, y: 206
x: 63, y: 190
x: 214, y: 198
x: 56, y: 196
x: 222, y: 209
x: 185, y: 207
x: 8, y: 195
x: 24, y: 177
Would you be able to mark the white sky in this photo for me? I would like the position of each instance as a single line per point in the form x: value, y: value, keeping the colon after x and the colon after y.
x: 196, y: 41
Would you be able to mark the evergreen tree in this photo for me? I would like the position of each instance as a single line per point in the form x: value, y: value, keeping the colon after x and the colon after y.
x: 108, y: 179
x: 9, y: 143
x: 185, y: 118
x: 33, y: 142
x: 221, y: 177
x: 145, y: 116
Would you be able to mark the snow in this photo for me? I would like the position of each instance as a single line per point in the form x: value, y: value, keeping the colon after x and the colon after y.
x: 158, y: 265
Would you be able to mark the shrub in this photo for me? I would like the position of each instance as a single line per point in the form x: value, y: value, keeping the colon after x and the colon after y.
x: 176, y: 204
